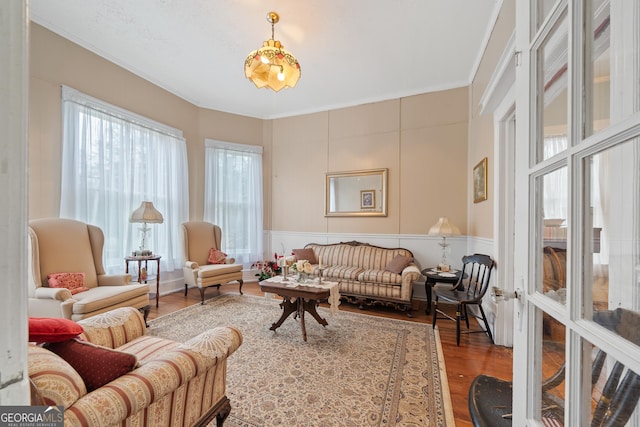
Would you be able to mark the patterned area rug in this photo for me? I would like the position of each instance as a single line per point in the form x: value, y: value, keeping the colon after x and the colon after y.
x: 360, y: 370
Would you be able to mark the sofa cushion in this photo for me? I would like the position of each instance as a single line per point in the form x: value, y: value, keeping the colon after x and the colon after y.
x: 72, y: 281
x: 372, y: 290
x: 306, y: 253
x: 55, y: 379
x: 216, y: 256
x: 398, y: 263
x: 148, y: 347
x: 365, y: 256
x: 96, y: 365
x: 343, y: 272
x: 52, y: 329
x: 380, y: 276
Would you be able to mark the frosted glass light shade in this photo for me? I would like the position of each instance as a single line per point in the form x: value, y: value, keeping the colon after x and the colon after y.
x: 272, y: 66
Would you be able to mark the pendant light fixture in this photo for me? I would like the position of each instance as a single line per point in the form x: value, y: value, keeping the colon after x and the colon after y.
x: 272, y: 66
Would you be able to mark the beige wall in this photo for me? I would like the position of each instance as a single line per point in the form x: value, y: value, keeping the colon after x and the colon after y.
x: 422, y: 140
x: 481, y: 132
x: 55, y: 61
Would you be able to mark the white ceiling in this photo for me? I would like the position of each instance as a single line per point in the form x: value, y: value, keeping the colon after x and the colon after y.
x: 351, y: 52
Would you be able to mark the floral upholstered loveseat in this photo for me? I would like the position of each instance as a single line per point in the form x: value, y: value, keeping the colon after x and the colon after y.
x: 367, y: 274
x: 171, y: 384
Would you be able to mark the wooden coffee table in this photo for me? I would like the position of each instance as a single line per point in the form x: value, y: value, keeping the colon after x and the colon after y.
x: 297, y: 298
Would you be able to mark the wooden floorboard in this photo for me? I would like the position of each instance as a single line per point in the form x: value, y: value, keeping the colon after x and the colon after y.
x: 476, y: 355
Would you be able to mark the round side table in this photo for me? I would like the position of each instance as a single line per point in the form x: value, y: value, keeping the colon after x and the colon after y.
x: 434, y: 276
x: 145, y: 259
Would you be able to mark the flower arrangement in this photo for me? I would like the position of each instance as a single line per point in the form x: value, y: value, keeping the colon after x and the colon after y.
x: 303, y: 268
x: 267, y: 269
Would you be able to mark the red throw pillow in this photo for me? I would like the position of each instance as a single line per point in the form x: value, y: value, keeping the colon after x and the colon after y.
x: 96, y: 365
x: 72, y: 281
x: 306, y: 253
x: 52, y: 329
x: 397, y: 264
x: 217, y: 257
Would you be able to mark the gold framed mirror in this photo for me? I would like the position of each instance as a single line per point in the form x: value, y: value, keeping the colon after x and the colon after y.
x: 356, y: 193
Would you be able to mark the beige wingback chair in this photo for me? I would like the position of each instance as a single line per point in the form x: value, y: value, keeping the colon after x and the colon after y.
x: 198, y: 238
x: 58, y: 245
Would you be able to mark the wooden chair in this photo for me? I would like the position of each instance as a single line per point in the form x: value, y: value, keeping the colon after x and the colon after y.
x: 490, y: 398
x: 470, y: 289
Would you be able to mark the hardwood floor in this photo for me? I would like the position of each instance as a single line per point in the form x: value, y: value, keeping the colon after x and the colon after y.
x: 475, y: 355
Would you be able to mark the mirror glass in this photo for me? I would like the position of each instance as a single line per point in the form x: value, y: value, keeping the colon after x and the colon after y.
x: 356, y: 193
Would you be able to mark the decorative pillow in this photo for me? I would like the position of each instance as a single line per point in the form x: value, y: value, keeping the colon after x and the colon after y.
x: 72, y: 281
x: 397, y: 264
x: 306, y: 253
x: 52, y: 329
x: 216, y: 256
x: 96, y: 365
x: 55, y: 379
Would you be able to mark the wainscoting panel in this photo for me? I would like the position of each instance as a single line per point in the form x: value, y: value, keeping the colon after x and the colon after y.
x: 426, y: 250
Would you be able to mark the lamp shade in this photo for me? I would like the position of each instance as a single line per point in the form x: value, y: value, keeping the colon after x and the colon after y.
x: 146, y: 213
x: 444, y: 228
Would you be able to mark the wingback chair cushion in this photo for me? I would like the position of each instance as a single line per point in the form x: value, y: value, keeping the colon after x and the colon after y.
x: 59, y: 245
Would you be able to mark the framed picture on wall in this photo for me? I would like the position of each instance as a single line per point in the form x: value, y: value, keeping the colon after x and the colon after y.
x: 480, y: 181
x: 367, y: 199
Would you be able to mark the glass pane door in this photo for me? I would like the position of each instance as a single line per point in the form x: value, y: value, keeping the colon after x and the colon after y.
x: 577, y: 330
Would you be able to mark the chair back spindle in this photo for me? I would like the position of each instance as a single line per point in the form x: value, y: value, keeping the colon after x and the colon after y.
x: 471, y: 287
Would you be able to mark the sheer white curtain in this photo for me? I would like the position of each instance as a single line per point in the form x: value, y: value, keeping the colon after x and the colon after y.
x: 233, y: 198
x: 112, y: 160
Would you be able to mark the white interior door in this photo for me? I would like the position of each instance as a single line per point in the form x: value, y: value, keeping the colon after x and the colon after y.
x: 577, y: 231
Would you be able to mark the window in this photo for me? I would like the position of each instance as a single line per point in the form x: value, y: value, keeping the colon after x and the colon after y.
x: 233, y: 198
x: 112, y: 160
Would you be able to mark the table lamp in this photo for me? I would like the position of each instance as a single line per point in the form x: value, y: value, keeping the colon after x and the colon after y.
x: 444, y: 229
x: 145, y: 214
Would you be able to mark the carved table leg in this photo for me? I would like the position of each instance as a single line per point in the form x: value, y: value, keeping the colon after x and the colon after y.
x: 297, y: 308
x: 310, y: 306
x: 301, y: 308
x: 288, y: 307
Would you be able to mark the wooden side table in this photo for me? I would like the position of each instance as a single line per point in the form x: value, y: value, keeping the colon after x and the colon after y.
x: 434, y: 276
x: 145, y: 259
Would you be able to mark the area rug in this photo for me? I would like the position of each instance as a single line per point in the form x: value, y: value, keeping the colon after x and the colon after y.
x: 360, y: 370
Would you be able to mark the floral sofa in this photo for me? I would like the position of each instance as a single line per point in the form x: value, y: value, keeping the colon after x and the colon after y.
x: 367, y: 274
x: 171, y: 384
